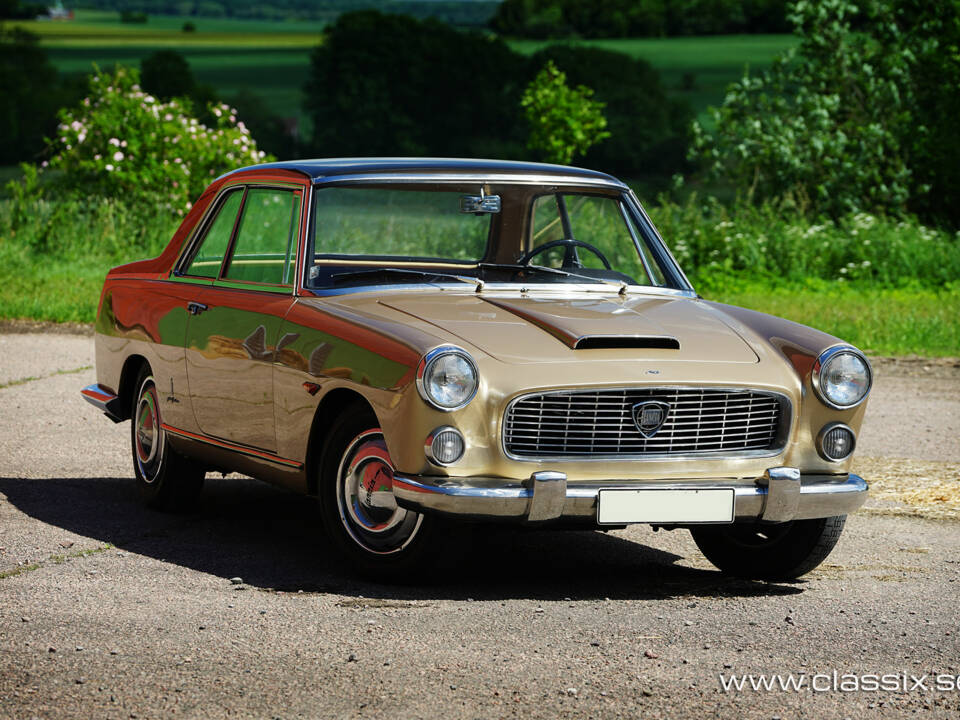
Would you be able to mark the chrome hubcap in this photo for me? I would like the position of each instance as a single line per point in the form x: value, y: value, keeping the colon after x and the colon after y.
x: 368, y: 509
x: 148, y: 434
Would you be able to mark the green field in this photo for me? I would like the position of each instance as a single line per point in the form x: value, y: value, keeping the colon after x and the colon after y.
x: 269, y: 58
x: 272, y: 58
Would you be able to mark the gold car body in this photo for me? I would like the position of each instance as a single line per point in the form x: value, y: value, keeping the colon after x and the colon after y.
x: 252, y: 376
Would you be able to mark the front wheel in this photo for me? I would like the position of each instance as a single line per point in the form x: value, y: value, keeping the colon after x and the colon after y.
x: 360, y: 514
x: 769, y: 551
x: 166, y: 479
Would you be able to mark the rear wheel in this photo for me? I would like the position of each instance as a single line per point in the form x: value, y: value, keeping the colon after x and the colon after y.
x: 769, y: 551
x: 166, y: 479
x: 361, y: 515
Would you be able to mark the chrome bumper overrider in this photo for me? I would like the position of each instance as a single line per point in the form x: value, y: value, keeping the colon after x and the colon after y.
x: 104, y: 400
x: 781, y: 494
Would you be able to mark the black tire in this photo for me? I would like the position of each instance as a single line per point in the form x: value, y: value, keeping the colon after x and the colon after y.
x: 372, y: 534
x: 166, y: 480
x: 769, y: 551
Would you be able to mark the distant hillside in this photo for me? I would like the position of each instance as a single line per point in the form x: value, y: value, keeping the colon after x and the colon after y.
x: 455, y: 12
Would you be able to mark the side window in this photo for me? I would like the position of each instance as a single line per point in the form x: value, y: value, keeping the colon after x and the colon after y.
x: 266, y: 246
x: 206, y: 262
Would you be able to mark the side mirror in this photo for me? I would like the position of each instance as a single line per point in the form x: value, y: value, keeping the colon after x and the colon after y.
x: 479, y: 204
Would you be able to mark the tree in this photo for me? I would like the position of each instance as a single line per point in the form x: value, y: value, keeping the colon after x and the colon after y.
x: 649, y: 131
x: 564, y: 121
x: 860, y: 115
x: 29, y: 94
x: 393, y: 85
x: 167, y: 74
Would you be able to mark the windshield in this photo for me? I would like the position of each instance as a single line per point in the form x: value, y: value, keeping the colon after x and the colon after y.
x: 476, y: 233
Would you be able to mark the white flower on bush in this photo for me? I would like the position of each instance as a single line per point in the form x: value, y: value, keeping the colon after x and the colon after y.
x: 89, y: 145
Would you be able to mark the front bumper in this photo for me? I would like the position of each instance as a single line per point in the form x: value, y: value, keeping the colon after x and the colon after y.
x: 782, y: 494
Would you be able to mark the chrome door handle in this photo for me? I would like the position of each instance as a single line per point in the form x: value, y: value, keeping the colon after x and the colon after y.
x: 195, y: 308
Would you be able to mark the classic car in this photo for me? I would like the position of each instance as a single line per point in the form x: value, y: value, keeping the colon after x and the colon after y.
x: 420, y: 342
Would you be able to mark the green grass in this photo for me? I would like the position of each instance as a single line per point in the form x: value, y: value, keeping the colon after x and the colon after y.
x: 881, y: 321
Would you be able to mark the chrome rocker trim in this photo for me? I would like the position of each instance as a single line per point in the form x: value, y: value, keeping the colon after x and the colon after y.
x: 782, y: 494
x: 105, y: 400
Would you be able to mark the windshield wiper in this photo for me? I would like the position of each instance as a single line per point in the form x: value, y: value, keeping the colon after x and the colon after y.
x: 620, y: 285
x: 337, y: 277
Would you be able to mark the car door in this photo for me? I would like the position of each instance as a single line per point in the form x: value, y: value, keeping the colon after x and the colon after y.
x: 232, y: 331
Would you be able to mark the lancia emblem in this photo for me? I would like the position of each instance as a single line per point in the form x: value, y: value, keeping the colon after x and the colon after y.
x: 650, y: 416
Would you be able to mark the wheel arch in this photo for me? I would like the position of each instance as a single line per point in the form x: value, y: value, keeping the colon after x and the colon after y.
x: 331, y: 407
x: 126, y: 389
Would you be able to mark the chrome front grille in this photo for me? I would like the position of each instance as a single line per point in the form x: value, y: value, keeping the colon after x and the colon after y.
x: 600, y: 423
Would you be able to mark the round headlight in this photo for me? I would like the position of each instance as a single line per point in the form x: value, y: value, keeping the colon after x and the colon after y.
x: 447, y: 378
x: 835, y: 442
x: 842, y: 377
x: 444, y: 446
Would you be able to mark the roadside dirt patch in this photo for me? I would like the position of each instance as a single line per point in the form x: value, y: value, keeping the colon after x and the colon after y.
x: 904, y: 486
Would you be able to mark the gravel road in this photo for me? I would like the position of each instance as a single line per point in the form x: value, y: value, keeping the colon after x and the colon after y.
x: 110, y: 610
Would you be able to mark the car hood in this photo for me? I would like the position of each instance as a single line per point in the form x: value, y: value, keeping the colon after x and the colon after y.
x: 536, y: 329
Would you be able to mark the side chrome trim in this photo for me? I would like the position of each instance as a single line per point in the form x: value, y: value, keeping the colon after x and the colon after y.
x: 105, y: 400
x: 242, y: 449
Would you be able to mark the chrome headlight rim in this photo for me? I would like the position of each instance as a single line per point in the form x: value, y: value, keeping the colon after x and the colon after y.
x: 821, y: 436
x: 426, y: 363
x: 825, y: 357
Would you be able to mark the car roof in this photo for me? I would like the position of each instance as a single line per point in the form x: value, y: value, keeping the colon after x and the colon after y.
x: 333, y: 167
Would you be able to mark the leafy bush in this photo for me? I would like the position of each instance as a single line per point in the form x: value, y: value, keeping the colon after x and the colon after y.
x: 836, y: 125
x: 564, y: 121
x: 123, y: 142
x: 717, y: 245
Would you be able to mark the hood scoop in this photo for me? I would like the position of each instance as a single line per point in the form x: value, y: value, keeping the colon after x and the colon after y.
x: 614, y: 342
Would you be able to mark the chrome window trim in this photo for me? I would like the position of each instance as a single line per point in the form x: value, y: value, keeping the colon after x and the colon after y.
x: 647, y: 224
x: 823, y: 433
x: 494, y: 289
x: 783, y: 434
x: 484, y: 178
x: 433, y: 355
x: 200, y: 229
x: 822, y: 359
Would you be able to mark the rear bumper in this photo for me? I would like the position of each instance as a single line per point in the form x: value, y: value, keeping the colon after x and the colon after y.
x: 781, y: 494
x: 105, y: 400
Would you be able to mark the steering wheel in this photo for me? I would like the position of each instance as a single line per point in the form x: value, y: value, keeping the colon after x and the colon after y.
x: 570, y: 257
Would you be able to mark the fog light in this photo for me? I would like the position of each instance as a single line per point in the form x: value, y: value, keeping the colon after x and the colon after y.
x: 835, y: 442
x: 444, y: 446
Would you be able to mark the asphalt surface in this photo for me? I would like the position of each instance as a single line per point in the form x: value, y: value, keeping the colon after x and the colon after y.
x: 110, y: 610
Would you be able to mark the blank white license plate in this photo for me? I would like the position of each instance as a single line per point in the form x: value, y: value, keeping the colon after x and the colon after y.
x: 712, y: 505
